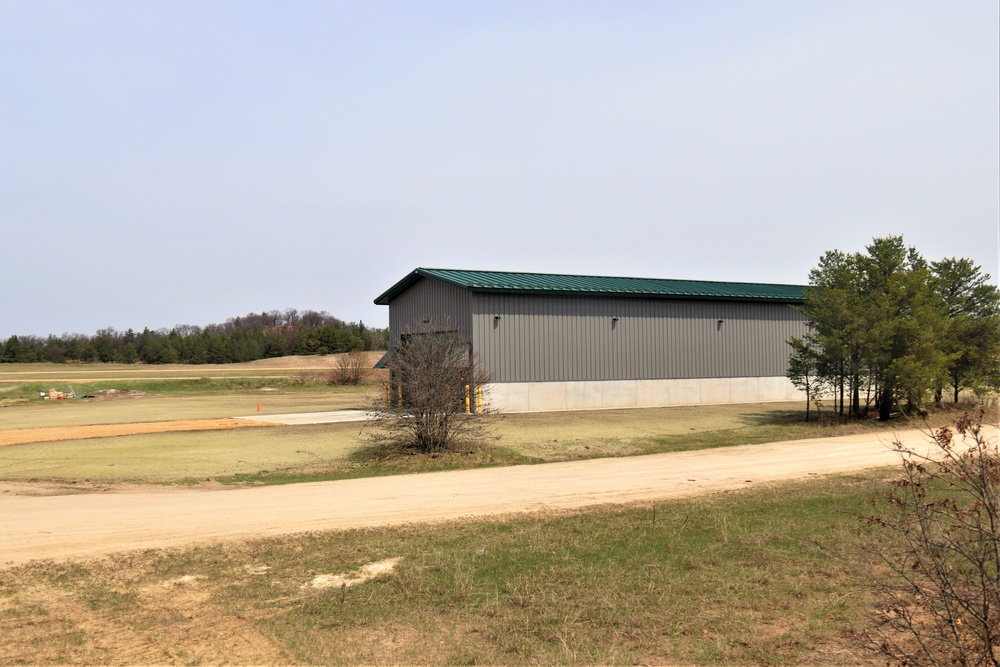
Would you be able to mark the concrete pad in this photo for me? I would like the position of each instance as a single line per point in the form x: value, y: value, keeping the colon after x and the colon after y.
x: 311, y: 417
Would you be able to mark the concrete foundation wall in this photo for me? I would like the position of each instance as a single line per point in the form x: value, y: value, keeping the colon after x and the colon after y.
x: 592, y: 395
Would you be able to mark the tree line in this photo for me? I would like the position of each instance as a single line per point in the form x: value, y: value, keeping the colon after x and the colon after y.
x: 888, y: 330
x: 247, y: 338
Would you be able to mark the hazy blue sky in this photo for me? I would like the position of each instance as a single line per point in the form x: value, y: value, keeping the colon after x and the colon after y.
x: 168, y: 162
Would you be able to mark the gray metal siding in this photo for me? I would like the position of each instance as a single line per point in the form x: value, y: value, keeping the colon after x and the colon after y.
x: 431, y: 304
x: 539, y: 338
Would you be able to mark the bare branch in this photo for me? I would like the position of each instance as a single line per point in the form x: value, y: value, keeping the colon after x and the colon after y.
x: 434, y: 399
x: 937, y: 532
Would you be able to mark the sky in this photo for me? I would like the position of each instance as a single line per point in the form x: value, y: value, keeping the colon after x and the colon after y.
x: 168, y: 162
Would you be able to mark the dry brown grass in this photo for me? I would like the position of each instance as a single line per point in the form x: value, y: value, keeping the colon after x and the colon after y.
x: 57, y: 433
x: 152, y: 408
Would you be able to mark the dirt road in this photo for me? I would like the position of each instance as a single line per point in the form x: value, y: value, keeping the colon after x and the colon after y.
x: 70, y: 526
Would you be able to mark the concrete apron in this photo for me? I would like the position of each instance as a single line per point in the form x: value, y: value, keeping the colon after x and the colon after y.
x: 311, y: 417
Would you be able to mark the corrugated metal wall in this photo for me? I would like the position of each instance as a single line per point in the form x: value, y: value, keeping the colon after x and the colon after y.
x: 442, y: 306
x: 539, y: 338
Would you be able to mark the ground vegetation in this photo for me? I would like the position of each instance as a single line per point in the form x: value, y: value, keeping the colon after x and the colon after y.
x: 937, y: 533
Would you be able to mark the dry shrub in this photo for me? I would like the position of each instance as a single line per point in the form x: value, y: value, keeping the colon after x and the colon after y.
x: 351, y: 368
x: 432, y: 398
x: 937, y: 531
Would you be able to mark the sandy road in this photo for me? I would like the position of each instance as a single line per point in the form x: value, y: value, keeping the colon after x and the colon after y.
x: 86, y: 525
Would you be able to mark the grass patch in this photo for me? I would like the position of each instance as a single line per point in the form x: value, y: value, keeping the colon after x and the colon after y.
x: 767, y: 576
x: 203, y: 386
x: 21, y: 383
x: 293, y: 454
x: 783, y: 427
x: 130, y: 408
x: 561, y: 436
x: 378, y: 461
x: 207, y: 386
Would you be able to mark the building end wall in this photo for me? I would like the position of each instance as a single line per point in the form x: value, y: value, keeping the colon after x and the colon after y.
x: 596, y: 395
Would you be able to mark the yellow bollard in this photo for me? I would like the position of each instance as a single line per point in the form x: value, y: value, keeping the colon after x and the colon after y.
x: 467, y: 406
x: 479, y: 399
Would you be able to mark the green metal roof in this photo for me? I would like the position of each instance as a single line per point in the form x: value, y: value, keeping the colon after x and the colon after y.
x: 506, y: 282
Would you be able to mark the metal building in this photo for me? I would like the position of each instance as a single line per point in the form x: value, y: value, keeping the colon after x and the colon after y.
x: 566, y: 342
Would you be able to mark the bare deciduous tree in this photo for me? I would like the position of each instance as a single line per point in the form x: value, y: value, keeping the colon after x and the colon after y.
x: 938, y: 533
x: 433, y: 400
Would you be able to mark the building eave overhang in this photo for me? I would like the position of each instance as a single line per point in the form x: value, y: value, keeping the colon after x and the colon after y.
x: 584, y: 286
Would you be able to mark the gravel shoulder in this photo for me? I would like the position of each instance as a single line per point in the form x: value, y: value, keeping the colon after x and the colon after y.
x: 97, y: 523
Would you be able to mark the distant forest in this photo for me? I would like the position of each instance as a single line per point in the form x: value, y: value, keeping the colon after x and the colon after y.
x: 254, y: 336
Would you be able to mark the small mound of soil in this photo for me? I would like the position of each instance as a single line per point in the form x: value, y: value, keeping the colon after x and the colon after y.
x: 119, y: 393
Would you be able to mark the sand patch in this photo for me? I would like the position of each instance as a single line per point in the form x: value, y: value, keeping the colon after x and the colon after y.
x: 359, y: 576
x: 164, y: 625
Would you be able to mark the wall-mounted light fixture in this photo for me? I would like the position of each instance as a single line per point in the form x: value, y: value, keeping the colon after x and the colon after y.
x: 496, y: 318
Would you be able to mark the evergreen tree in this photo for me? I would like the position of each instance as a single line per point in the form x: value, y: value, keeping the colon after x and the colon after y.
x: 973, y: 341
x: 887, y: 320
x: 839, y: 317
x: 254, y: 336
x: 905, y: 348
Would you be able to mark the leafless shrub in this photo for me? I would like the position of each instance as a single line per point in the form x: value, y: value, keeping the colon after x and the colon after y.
x: 433, y: 400
x: 351, y: 368
x: 938, y: 533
